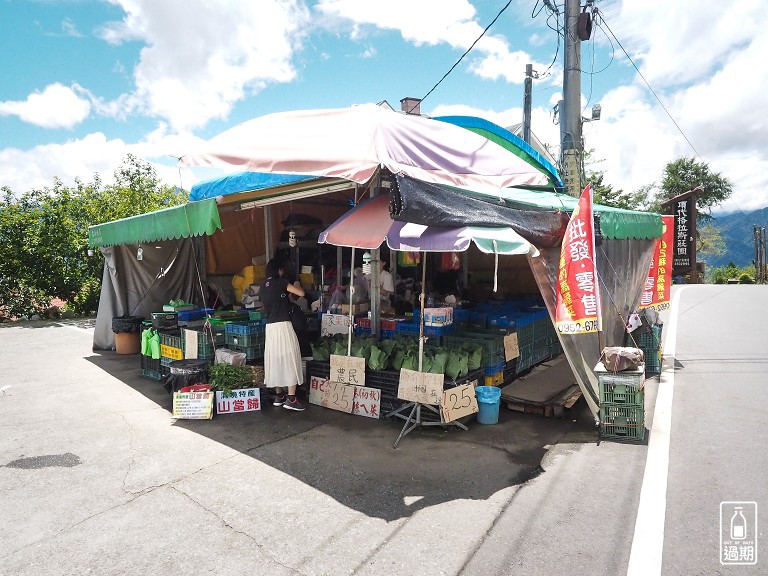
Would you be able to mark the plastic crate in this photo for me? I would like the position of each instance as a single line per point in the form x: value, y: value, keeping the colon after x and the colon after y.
x: 245, y: 340
x: 387, y: 334
x: 652, y: 361
x: 622, y: 421
x: 620, y: 387
x: 190, y: 315
x: 245, y: 328
x: 251, y: 353
x: 256, y: 315
x: 206, y: 348
x: 412, y: 329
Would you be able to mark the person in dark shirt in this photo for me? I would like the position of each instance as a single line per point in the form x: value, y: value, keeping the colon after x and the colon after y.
x: 282, y: 355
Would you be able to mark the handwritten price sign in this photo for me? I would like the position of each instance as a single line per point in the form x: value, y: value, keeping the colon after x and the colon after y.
x: 348, y: 370
x: 421, y: 387
x: 338, y: 396
x: 459, y: 402
x: 511, y: 349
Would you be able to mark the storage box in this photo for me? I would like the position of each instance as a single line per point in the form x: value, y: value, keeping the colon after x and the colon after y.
x: 165, y: 320
x: 360, y: 308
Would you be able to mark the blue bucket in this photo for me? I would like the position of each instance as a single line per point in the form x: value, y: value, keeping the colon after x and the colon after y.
x: 488, y: 401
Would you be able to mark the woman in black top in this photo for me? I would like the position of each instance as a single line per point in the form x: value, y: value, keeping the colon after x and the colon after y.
x: 282, y: 356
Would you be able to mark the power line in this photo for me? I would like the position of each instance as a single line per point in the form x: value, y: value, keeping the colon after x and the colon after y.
x: 462, y: 56
x: 652, y: 90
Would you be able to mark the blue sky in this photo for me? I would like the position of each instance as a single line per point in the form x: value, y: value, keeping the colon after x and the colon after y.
x: 85, y: 82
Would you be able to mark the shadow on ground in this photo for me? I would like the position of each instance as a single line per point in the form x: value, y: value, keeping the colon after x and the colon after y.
x: 352, y: 459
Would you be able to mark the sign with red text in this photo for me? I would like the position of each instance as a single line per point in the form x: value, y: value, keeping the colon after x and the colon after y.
x: 338, y: 396
x: 577, y: 308
x: 193, y: 405
x: 367, y: 402
x: 421, y: 387
x: 657, y: 288
x: 241, y: 400
x: 316, y: 385
x: 348, y: 370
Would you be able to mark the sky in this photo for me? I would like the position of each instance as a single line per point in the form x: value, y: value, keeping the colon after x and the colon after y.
x: 85, y: 82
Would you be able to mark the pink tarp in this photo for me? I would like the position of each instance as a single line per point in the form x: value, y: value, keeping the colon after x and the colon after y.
x: 352, y: 143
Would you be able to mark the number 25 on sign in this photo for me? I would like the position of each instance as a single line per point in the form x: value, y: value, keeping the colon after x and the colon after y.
x: 458, y: 402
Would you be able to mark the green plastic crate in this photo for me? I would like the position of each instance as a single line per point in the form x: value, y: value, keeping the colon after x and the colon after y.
x: 245, y: 340
x: 620, y: 388
x: 623, y: 421
x: 251, y: 353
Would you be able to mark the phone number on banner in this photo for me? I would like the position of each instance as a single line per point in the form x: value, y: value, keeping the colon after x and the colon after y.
x: 580, y: 327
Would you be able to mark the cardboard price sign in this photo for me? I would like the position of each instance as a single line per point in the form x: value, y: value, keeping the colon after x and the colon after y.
x: 338, y: 396
x: 367, y: 402
x: 421, y: 387
x: 511, y: 349
x: 193, y: 405
x: 348, y: 370
x: 316, y: 388
x: 334, y: 324
x: 459, y: 402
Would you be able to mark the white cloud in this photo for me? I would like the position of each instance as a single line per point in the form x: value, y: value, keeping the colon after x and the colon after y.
x: 57, y: 106
x: 81, y: 158
x: 433, y: 22
x: 201, y: 58
x: 70, y: 28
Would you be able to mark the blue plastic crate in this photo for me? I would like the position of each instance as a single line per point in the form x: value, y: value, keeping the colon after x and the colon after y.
x: 190, y: 315
x: 246, y: 328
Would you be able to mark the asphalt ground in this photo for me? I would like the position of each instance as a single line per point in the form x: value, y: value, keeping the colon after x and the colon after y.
x: 96, y: 477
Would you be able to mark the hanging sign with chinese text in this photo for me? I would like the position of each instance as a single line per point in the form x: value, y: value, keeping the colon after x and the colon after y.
x: 421, y: 387
x: 685, y: 232
x: 656, y: 292
x: 577, y: 309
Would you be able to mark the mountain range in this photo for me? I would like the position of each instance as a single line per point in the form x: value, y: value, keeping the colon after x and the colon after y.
x: 737, y: 230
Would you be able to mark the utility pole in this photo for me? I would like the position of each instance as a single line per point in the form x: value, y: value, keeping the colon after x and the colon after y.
x: 527, y: 103
x: 571, y: 145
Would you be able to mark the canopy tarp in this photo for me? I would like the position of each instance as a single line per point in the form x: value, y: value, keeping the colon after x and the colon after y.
x: 242, y: 182
x: 507, y: 140
x: 354, y: 143
x: 369, y: 224
x: 191, y: 219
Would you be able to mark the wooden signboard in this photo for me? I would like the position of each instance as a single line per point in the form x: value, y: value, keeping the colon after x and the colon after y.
x: 193, y: 405
x: 338, y: 396
x: 511, y: 349
x: 421, y: 387
x: 459, y: 402
x: 348, y: 370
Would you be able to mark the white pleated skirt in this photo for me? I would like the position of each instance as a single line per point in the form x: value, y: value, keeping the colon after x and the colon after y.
x: 282, y: 356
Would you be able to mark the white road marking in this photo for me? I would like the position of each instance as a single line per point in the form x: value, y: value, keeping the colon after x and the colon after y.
x: 648, y: 542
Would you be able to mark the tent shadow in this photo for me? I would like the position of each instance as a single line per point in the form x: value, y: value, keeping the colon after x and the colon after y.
x: 352, y: 459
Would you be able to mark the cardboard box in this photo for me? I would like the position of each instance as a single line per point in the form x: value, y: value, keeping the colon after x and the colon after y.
x: 360, y: 308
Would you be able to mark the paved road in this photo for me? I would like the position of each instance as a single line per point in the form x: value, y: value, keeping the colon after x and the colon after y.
x: 96, y: 478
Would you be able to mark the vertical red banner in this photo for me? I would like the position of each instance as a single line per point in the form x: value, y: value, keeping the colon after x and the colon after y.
x: 577, y: 309
x: 656, y: 292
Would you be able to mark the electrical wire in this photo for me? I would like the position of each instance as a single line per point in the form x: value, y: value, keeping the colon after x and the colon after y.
x: 653, y: 91
x: 462, y: 57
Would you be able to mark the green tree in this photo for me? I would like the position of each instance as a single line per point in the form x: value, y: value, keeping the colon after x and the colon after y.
x: 44, y: 235
x: 685, y: 174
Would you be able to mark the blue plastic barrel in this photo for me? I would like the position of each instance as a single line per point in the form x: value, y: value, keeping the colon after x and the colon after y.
x: 488, y: 401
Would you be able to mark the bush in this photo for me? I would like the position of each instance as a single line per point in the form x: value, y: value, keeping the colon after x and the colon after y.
x: 746, y: 279
x: 87, y: 299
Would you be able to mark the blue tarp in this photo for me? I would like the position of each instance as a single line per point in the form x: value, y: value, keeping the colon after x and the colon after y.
x: 242, y: 182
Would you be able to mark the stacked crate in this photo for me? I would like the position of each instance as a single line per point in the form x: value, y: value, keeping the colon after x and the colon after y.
x: 648, y: 339
x: 622, y: 408
x: 247, y: 337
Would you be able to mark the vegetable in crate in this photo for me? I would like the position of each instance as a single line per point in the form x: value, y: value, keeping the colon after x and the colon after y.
x: 378, y: 359
x: 227, y: 377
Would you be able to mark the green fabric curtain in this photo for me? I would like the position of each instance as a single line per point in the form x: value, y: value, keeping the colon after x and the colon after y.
x: 192, y: 219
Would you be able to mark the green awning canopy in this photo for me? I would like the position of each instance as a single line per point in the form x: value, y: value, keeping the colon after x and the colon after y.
x: 615, y: 223
x: 191, y: 219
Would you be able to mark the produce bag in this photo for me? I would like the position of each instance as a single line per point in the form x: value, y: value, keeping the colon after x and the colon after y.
x: 618, y: 358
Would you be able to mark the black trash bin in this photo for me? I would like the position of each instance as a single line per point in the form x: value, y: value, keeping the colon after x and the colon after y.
x: 186, y: 373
